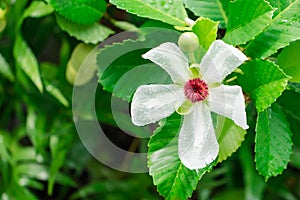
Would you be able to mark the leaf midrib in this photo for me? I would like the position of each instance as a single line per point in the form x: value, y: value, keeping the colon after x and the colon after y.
x: 272, y: 21
x: 155, y: 9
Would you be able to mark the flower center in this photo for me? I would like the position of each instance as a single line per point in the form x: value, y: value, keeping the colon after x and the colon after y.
x: 196, y: 90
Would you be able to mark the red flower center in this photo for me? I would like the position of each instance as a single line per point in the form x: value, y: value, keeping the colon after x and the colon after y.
x: 196, y: 90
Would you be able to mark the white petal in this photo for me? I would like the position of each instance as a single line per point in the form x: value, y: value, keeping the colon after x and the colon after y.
x: 197, y: 143
x: 151, y: 103
x: 219, y: 61
x: 229, y: 102
x: 169, y: 57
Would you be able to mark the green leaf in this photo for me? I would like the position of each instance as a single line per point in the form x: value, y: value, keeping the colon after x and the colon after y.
x: 92, y: 33
x: 37, y: 9
x: 56, y: 93
x: 263, y: 81
x: 246, y: 20
x: 273, y: 142
x: 26, y: 60
x: 59, y: 145
x: 254, y: 184
x: 289, y: 62
x: 213, y: 9
x: 206, y: 30
x: 5, y: 69
x: 289, y: 102
x: 125, y: 60
x: 80, y: 11
x: 230, y: 137
x: 168, y: 11
x: 282, y: 30
x: 83, y: 60
x: 172, y: 178
x: 280, y: 5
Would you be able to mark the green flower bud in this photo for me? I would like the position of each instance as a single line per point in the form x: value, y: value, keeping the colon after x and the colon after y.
x: 188, y: 42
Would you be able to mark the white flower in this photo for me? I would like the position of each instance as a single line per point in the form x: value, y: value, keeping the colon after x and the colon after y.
x: 197, y: 143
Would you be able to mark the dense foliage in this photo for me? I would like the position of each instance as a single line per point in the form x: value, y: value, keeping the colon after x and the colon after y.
x: 42, y: 46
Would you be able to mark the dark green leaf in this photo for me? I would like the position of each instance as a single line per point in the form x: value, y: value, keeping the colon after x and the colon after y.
x: 289, y: 102
x: 168, y: 11
x: 80, y: 11
x: 173, y: 179
x: 92, y: 33
x: 282, y: 30
x: 273, y: 142
x: 263, y: 81
x: 125, y: 60
x: 289, y: 61
x: 254, y: 184
x: 246, y: 20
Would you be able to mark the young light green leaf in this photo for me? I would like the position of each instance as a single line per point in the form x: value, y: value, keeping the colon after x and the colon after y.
x: 83, y: 61
x: 26, y: 60
x: 282, y: 30
x: 246, y: 20
x: 263, y: 81
x: 206, y: 30
x: 289, y: 61
x: 5, y: 69
x: 230, y: 137
x: 168, y: 11
x: 80, y: 11
x: 213, y: 9
x: 273, y: 142
x: 172, y: 178
x: 280, y: 5
x: 38, y: 9
x: 92, y: 33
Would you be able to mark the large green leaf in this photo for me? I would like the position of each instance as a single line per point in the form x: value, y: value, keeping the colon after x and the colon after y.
x: 169, y: 11
x: 173, y: 180
x: 26, y: 60
x: 230, y: 137
x: 263, y: 81
x: 282, y: 30
x: 80, y: 11
x: 245, y: 20
x: 289, y: 61
x: 5, y: 69
x: 280, y: 5
x: 92, y: 33
x: 213, y: 9
x: 273, y: 142
x: 125, y: 60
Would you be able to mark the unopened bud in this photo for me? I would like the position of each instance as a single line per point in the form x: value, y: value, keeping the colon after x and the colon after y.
x: 188, y: 42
